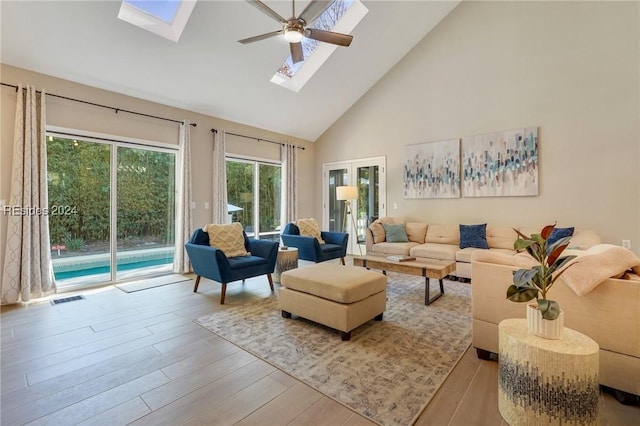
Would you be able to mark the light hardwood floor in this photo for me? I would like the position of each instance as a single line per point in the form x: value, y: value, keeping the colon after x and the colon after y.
x: 119, y: 358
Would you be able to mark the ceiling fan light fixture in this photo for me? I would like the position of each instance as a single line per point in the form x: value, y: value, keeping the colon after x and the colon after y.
x: 293, y: 35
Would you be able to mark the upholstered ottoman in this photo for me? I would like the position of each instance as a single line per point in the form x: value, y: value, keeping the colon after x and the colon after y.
x: 340, y: 297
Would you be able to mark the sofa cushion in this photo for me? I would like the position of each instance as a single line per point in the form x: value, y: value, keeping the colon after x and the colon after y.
x: 395, y: 233
x: 228, y: 237
x: 416, y: 231
x: 528, y: 231
x: 583, y: 239
x: 242, y: 262
x: 501, y: 236
x: 492, y: 256
x: 309, y: 227
x: 435, y: 251
x: 473, y: 236
x: 443, y: 234
x: 393, y: 248
x: 464, y: 255
x: 377, y: 230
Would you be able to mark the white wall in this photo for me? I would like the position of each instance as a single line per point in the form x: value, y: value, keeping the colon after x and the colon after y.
x: 85, y: 117
x: 570, y: 68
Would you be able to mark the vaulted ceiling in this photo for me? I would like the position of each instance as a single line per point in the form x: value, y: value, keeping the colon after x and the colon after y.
x: 207, y: 70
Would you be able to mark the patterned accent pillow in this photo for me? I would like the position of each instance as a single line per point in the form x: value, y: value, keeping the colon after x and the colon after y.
x: 228, y: 238
x: 309, y: 228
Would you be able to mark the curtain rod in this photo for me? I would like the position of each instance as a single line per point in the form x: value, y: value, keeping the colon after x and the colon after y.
x: 258, y: 139
x: 117, y: 110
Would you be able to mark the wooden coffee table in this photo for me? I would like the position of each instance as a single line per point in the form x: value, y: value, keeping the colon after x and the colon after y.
x: 437, y: 269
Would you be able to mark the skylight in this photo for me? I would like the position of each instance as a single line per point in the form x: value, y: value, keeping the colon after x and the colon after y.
x: 342, y: 17
x: 166, y: 18
x: 164, y: 10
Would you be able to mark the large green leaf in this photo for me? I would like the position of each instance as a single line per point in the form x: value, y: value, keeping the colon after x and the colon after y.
x: 521, y: 294
x: 519, y: 245
x: 549, y: 309
x: 538, y: 239
x: 523, y: 276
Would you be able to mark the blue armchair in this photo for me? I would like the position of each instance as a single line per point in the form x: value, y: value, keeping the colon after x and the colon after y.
x: 310, y: 249
x: 210, y: 262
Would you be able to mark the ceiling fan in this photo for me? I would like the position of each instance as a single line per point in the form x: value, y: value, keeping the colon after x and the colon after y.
x: 296, y: 28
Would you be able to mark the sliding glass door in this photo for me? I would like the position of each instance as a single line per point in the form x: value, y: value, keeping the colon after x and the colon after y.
x: 111, y: 210
x: 145, y: 213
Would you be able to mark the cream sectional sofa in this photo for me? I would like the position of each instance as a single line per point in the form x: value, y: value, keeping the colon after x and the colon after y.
x: 442, y: 242
x: 609, y: 314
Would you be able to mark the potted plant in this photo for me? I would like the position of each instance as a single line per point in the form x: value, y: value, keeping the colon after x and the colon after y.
x: 544, y: 319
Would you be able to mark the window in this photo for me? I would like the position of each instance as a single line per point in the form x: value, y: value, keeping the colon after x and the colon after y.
x: 253, y: 193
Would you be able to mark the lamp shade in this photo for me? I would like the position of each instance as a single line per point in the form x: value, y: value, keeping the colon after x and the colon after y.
x: 346, y: 192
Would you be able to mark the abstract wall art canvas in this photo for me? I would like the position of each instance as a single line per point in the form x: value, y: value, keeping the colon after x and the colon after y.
x: 432, y: 170
x: 500, y: 164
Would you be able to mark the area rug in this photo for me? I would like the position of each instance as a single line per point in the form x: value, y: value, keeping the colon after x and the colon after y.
x: 388, y: 371
x: 148, y: 283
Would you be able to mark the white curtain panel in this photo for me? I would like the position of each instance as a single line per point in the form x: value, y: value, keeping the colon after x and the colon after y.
x: 219, y: 207
x: 184, y: 221
x: 290, y: 186
x: 27, y: 271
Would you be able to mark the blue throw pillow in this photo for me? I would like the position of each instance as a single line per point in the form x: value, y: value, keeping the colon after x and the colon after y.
x: 473, y: 236
x: 395, y: 233
x: 558, y: 233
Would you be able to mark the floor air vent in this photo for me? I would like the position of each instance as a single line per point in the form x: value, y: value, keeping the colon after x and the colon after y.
x: 66, y: 299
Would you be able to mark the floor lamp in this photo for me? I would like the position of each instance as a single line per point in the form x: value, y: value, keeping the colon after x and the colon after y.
x: 346, y: 194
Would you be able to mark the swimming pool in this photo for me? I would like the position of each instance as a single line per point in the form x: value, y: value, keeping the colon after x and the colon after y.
x: 96, y: 264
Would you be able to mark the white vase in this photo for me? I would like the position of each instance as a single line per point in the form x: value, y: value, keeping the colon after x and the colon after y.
x: 549, y: 329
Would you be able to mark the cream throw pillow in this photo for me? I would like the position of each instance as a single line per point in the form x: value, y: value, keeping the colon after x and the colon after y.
x: 309, y: 228
x: 228, y: 238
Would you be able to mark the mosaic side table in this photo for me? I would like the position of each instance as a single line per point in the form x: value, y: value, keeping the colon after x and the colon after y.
x: 287, y: 259
x: 543, y: 381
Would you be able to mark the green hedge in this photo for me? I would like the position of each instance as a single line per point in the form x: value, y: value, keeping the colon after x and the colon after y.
x: 80, y: 189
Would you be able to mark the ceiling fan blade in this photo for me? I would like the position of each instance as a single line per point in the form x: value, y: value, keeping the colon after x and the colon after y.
x: 296, y: 52
x: 267, y: 10
x: 260, y: 37
x: 313, y: 10
x: 329, y: 37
